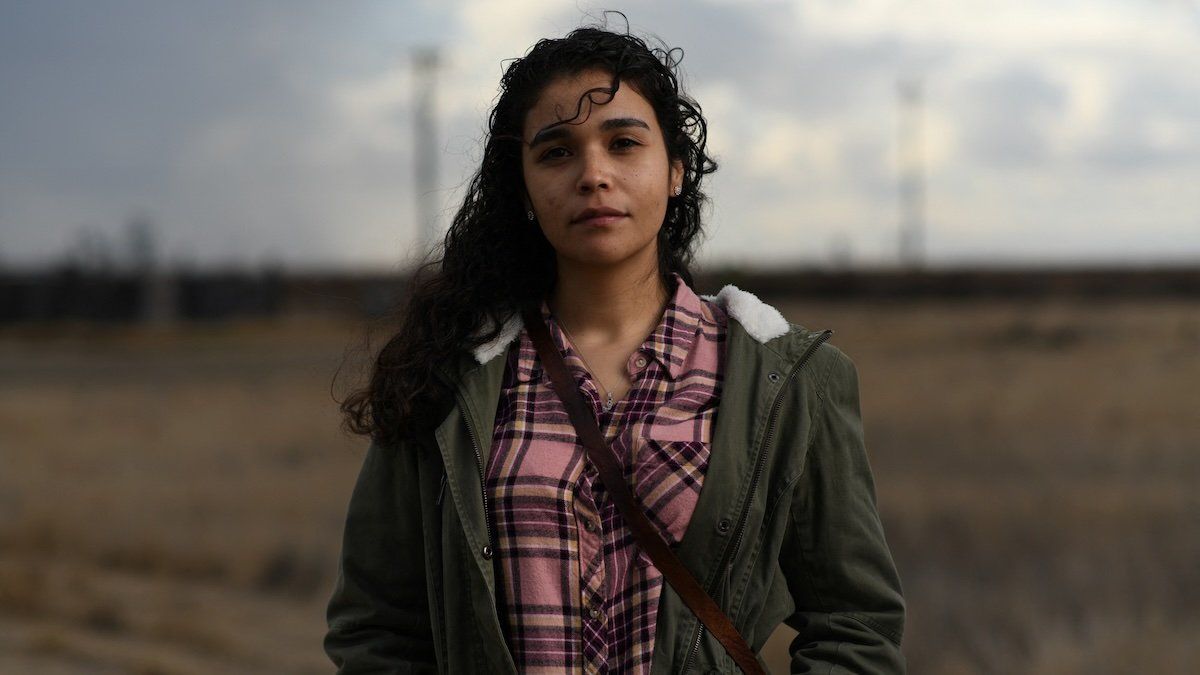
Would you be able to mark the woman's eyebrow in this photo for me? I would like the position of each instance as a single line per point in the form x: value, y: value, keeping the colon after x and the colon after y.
x: 557, y: 130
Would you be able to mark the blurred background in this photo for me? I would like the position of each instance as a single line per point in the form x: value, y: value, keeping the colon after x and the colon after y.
x: 206, y: 210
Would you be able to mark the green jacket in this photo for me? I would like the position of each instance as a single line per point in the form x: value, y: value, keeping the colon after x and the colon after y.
x: 785, y: 530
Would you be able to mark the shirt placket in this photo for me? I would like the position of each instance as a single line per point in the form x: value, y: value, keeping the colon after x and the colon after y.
x: 590, y: 504
x: 593, y: 586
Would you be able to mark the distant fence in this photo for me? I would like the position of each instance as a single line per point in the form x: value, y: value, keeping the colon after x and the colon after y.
x: 71, y: 294
x: 968, y: 283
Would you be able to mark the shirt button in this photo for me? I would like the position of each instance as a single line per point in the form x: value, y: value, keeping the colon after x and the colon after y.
x: 594, y: 613
x: 589, y: 526
x: 641, y: 362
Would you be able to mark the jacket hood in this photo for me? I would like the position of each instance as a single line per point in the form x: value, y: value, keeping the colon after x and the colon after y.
x: 762, y: 321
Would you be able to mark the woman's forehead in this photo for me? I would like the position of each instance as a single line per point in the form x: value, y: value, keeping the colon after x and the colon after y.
x: 561, y: 97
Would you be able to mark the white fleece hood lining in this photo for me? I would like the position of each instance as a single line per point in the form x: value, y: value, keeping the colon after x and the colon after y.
x: 762, y: 321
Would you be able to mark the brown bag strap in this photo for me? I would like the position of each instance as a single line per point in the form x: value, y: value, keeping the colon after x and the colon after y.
x: 644, y: 532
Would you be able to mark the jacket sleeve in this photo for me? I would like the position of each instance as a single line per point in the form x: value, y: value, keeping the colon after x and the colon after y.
x: 849, y: 607
x: 378, y: 615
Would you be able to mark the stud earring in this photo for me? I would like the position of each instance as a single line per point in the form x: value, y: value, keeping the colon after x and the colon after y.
x: 529, y: 214
x: 678, y: 190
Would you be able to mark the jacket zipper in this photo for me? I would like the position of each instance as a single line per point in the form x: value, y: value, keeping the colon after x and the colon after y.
x: 487, y: 513
x: 727, y: 560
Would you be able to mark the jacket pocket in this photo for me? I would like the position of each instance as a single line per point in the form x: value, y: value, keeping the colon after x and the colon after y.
x: 441, y: 489
x: 437, y: 579
x: 440, y: 613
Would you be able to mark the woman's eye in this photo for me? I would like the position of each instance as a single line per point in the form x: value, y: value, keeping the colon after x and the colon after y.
x: 620, y: 143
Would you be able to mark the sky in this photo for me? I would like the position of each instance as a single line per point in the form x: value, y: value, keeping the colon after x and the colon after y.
x: 280, y: 132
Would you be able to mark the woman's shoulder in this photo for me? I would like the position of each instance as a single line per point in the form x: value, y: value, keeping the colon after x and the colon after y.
x: 831, y: 365
x: 823, y: 358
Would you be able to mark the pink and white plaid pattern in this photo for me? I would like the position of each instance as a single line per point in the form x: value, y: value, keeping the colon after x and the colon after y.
x: 577, y: 593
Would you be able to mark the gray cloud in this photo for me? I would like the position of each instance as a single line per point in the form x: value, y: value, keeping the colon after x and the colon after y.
x: 1155, y: 123
x: 1007, y: 116
x: 105, y: 103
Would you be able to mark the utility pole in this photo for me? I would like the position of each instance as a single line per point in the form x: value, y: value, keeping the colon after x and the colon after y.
x: 911, y: 173
x: 425, y: 65
x: 158, y: 292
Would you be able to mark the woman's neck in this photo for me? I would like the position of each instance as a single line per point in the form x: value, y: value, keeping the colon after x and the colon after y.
x: 598, y: 306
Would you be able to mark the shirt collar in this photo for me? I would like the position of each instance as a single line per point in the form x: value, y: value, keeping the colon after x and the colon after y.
x: 669, y: 343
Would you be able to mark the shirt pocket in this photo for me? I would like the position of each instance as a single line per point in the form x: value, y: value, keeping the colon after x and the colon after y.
x: 668, y: 475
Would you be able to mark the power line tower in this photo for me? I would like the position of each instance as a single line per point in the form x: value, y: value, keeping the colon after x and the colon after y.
x: 911, y: 174
x: 425, y: 72
x: 142, y: 250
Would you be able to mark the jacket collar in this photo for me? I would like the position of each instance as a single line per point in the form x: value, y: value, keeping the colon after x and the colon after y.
x: 762, y: 321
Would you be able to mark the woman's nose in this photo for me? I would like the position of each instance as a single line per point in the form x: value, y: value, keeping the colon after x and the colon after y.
x: 595, y: 172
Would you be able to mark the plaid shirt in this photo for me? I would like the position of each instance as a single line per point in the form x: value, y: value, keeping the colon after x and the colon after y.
x: 577, y: 592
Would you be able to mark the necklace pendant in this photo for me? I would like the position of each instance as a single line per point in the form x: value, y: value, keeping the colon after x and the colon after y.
x: 609, y: 405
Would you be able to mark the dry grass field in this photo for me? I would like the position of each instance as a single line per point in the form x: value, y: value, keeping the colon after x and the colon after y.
x: 171, y: 500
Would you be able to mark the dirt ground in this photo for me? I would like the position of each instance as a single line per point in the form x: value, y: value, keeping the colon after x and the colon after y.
x: 171, y: 500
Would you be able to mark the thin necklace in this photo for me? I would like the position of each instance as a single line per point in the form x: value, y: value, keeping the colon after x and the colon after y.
x: 607, y: 406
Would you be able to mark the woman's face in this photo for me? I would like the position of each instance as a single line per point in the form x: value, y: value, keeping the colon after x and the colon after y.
x: 615, y: 159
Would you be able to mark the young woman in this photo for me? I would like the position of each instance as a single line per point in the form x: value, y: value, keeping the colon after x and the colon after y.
x: 479, y: 537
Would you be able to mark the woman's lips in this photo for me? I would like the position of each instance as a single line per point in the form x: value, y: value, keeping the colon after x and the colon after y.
x: 599, y: 221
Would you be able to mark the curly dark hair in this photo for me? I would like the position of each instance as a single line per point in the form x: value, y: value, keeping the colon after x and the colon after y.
x: 493, y: 260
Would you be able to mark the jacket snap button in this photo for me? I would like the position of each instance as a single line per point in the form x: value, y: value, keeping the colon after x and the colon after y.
x: 773, y: 376
x: 487, y: 552
x: 723, y: 525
